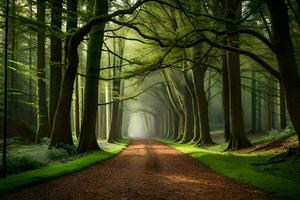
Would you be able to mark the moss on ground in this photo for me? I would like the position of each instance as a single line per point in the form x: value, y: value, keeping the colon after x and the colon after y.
x: 278, y: 178
x: 54, y: 171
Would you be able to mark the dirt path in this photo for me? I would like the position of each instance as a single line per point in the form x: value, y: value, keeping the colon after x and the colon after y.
x: 145, y: 170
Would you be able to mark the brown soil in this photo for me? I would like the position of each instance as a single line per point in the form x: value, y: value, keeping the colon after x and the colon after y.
x: 274, y: 147
x: 145, y: 170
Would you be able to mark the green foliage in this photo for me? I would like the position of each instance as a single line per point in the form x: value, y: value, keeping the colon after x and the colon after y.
x: 70, y: 149
x: 13, y: 141
x: 45, y: 140
x: 57, y: 154
x: 280, y: 179
x: 273, y: 135
x: 19, y: 163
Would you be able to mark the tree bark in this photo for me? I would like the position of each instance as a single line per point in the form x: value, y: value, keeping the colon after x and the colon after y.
x: 87, y: 139
x: 225, y: 93
x: 286, y: 59
x: 253, y: 102
x: 72, y: 24
x: 199, y: 75
x: 55, y: 57
x: 196, y: 123
x: 117, y: 112
x: 282, y: 107
x: 238, y: 139
x: 43, y: 120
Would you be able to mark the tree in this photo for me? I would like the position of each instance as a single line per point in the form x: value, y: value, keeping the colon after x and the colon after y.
x: 238, y: 138
x: 43, y: 129
x: 284, y: 51
x: 87, y: 139
x: 117, y: 107
x: 225, y: 97
x: 55, y: 57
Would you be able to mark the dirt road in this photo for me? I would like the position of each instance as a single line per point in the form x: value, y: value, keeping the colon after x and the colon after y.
x: 145, y: 170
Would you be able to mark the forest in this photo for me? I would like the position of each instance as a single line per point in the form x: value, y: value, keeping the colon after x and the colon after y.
x: 150, y: 99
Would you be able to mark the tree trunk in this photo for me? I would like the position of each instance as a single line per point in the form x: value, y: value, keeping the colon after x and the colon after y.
x: 43, y: 121
x: 87, y: 139
x: 282, y: 108
x: 114, y: 134
x: 253, y: 102
x: 286, y: 59
x: 199, y: 75
x: 71, y: 24
x: 174, y: 110
x: 188, y: 112
x: 225, y: 92
x: 116, y: 123
x: 12, y: 104
x: 55, y: 57
x: 238, y: 139
x: 191, y: 89
x: 72, y: 14
x: 259, y: 114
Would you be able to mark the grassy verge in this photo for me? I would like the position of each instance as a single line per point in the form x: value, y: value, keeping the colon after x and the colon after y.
x: 55, y: 171
x: 279, y: 178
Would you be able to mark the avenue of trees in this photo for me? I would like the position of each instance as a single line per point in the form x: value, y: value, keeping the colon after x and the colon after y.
x: 79, y: 69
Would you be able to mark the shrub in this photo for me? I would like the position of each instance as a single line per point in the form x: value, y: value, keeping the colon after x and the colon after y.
x: 13, y: 140
x: 45, y: 140
x: 57, y: 154
x: 71, y: 149
x: 20, y: 163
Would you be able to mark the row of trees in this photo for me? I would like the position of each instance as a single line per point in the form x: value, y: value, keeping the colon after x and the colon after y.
x: 37, y: 64
x: 221, y: 27
x: 197, y: 47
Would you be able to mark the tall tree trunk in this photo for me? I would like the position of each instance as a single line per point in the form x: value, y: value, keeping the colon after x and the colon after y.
x: 31, y: 114
x: 259, y: 114
x: 199, y: 76
x: 87, y: 140
x: 115, y: 129
x: 191, y: 89
x: 71, y: 24
x: 270, y: 105
x: 225, y: 93
x: 176, y: 103
x: 185, y: 107
x: 253, y: 102
x: 188, y: 112
x: 12, y: 56
x: 238, y: 138
x: 43, y: 120
x: 286, y: 59
x: 72, y: 14
x: 282, y: 108
x: 55, y: 57
x: 172, y: 106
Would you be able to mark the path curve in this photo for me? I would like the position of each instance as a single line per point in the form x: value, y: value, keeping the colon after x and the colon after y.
x: 145, y: 170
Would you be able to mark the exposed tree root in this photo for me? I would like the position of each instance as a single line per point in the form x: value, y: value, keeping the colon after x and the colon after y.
x: 237, y: 143
x: 202, y: 143
x: 292, y: 152
x: 274, y: 143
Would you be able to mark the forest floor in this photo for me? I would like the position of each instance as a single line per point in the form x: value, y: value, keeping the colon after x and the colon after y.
x: 146, y: 169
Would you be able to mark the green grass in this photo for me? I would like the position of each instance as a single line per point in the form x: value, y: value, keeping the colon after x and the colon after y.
x: 55, y: 171
x: 281, y: 178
